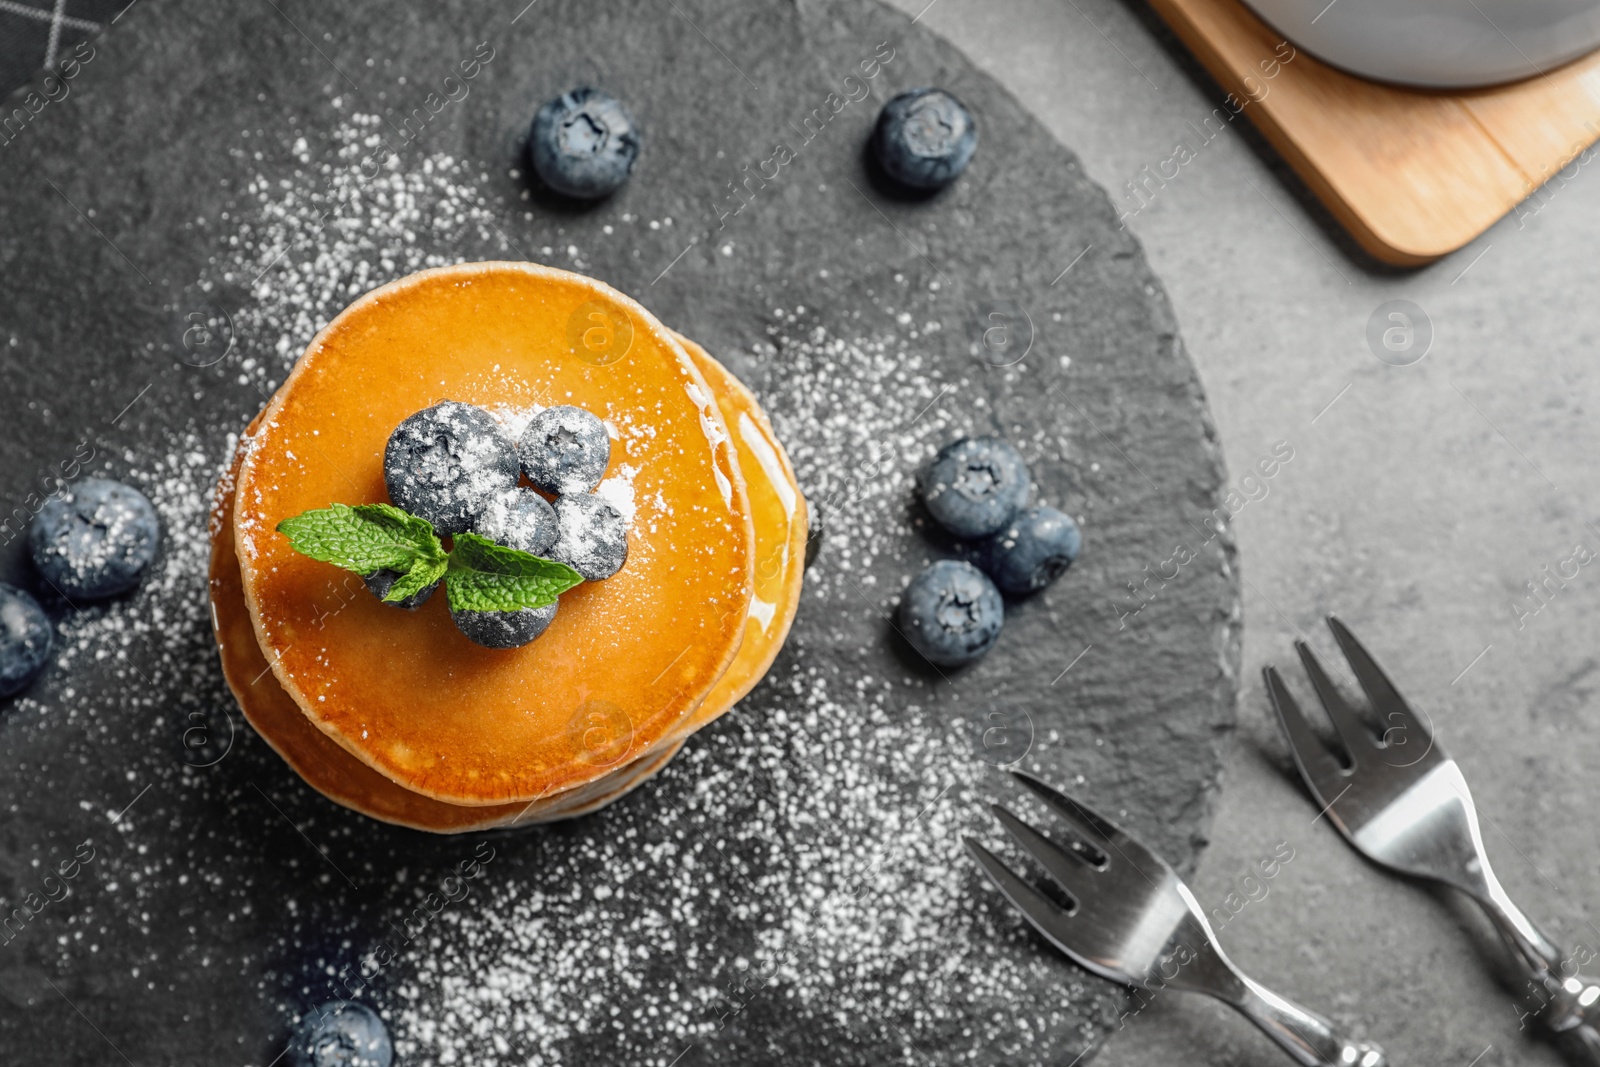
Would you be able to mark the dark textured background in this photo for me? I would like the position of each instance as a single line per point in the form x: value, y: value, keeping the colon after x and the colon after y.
x: 38, y: 34
x: 101, y: 252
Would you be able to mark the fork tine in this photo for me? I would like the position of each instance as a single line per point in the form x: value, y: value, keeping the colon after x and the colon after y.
x: 1099, y: 831
x: 1317, y: 765
x: 1046, y: 915
x: 1094, y: 829
x: 1356, y: 735
x: 1392, y: 709
x: 1070, y: 872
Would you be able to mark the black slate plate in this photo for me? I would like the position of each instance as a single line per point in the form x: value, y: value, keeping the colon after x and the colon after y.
x: 793, y: 885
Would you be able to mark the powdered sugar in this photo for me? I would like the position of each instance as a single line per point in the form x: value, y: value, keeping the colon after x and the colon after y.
x: 312, y: 246
x: 617, y: 490
x: 860, y: 906
x: 859, y: 909
x: 619, y: 935
x: 800, y: 857
x: 514, y: 418
x: 591, y: 536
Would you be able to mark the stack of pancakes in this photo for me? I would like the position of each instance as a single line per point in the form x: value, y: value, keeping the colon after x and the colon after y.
x: 395, y: 713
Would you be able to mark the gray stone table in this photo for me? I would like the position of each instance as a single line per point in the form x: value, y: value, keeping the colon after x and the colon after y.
x: 1418, y: 505
x: 1417, y: 501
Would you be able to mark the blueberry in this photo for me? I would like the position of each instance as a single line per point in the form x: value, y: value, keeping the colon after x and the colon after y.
x: 95, y: 539
x: 583, y: 144
x: 444, y: 464
x: 565, y: 450
x: 924, y: 139
x: 1035, y: 550
x: 951, y: 613
x: 592, y: 537
x: 25, y: 639
x: 519, y: 519
x: 504, y: 629
x: 380, y: 582
x: 974, y: 486
x: 340, y: 1033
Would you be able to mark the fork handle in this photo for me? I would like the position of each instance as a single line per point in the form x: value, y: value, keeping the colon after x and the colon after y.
x: 1539, y: 954
x: 1572, y: 1012
x: 1306, y: 1036
x: 1570, y: 1006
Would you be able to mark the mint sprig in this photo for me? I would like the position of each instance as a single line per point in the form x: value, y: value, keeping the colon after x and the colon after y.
x: 367, y: 538
x: 479, y: 575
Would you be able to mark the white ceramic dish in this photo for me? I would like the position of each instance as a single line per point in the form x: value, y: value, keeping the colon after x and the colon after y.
x: 1445, y: 44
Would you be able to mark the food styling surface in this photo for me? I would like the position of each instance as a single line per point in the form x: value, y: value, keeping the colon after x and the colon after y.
x: 793, y: 884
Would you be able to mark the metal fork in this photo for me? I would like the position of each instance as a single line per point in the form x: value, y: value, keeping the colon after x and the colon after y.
x: 1402, y: 803
x: 1132, y: 920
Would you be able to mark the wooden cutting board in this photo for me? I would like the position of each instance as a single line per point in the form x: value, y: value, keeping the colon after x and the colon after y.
x: 1413, y: 174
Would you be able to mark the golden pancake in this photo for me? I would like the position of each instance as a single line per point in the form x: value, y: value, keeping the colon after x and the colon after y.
x: 344, y: 779
x: 780, y: 541
x: 780, y: 514
x: 619, y: 784
x: 320, y: 760
x: 405, y: 692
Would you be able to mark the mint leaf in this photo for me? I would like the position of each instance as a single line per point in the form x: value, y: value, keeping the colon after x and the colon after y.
x: 422, y: 574
x: 402, y: 524
x: 366, y: 538
x: 484, y: 576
